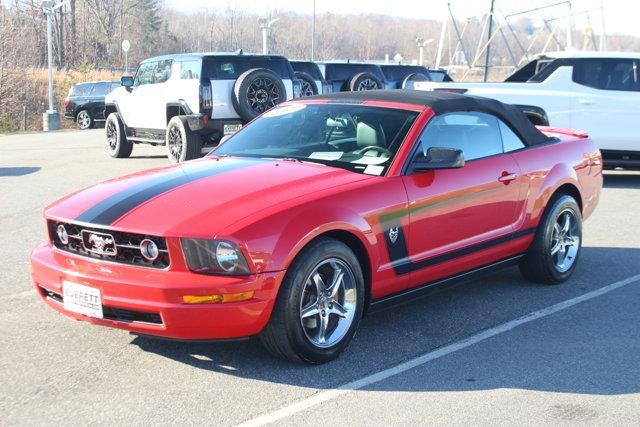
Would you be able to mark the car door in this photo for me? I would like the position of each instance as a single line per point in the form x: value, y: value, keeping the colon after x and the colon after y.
x: 96, y: 105
x: 146, y: 106
x: 606, y: 100
x: 461, y: 218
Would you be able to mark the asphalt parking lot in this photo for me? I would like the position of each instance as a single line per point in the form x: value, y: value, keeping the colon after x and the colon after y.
x: 474, y: 354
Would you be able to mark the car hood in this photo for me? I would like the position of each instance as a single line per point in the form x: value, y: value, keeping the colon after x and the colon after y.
x: 198, y: 198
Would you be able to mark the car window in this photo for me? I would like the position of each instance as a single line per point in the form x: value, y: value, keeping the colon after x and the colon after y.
x: 145, y: 74
x: 163, y: 71
x: 230, y: 68
x: 82, y: 89
x: 114, y: 86
x: 190, y: 70
x: 358, y: 138
x: 608, y: 74
x: 510, y: 141
x: 100, y: 88
x: 476, y: 134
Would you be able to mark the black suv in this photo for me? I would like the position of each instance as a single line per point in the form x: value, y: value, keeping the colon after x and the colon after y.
x: 85, y: 102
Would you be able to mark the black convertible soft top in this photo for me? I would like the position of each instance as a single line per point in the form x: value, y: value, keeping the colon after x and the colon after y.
x: 447, y: 102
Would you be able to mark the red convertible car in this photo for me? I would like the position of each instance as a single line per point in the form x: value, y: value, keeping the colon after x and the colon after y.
x: 318, y: 211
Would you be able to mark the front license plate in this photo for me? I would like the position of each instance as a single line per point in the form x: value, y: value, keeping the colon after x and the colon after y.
x: 82, y: 299
x: 229, y: 129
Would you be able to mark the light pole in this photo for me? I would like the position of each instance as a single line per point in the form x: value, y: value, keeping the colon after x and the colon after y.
x: 265, y: 26
x: 50, y: 119
x: 421, y: 44
x: 313, y: 31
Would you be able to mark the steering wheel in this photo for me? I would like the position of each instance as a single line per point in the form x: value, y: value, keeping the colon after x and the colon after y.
x: 377, y: 148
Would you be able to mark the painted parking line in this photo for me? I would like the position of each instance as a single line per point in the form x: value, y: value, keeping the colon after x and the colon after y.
x: 327, y: 395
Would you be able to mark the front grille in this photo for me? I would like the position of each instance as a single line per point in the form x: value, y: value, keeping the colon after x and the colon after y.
x: 112, y: 313
x: 127, y: 245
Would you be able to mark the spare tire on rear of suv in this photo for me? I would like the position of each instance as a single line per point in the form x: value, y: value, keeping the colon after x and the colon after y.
x: 256, y: 91
x: 364, y: 81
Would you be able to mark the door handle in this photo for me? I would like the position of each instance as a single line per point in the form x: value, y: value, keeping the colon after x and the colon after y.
x: 586, y: 101
x: 507, y: 177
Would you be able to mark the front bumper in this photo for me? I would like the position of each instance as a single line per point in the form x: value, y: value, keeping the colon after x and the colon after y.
x: 149, y: 301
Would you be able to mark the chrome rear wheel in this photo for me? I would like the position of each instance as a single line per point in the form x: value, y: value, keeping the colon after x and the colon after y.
x: 565, y: 240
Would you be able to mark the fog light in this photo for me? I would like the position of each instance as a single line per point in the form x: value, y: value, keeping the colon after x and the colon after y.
x: 216, y: 299
x: 62, y: 234
x: 149, y: 249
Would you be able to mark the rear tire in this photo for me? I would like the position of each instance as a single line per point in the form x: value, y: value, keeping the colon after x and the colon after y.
x: 84, y: 120
x: 364, y: 81
x: 118, y: 145
x: 554, y: 253
x: 312, y: 321
x: 182, y: 143
x: 256, y: 91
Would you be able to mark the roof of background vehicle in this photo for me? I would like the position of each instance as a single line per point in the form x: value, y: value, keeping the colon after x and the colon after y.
x: 586, y: 54
x: 447, y: 102
x: 198, y: 55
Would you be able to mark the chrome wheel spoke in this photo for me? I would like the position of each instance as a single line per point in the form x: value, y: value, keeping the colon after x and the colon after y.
x: 338, y: 309
x: 310, y: 310
x: 566, y: 224
x: 336, y: 282
x: 555, y: 248
x: 322, y: 329
x: 318, y: 282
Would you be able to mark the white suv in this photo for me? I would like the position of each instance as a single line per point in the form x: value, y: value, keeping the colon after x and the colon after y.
x: 188, y: 102
x: 597, y: 92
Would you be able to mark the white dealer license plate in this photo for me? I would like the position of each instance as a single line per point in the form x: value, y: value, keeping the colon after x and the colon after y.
x: 82, y: 299
x: 230, y: 129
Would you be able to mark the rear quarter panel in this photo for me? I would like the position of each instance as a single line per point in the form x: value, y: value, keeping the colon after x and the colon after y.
x: 572, y: 160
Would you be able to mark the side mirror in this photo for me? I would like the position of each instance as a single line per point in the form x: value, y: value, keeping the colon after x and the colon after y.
x: 126, y: 81
x: 439, y: 158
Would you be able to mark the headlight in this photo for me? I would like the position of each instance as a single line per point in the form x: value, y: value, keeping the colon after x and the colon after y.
x: 214, y: 257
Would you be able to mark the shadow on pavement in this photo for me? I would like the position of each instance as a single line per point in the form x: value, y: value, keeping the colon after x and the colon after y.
x: 393, y: 336
x: 18, y: 171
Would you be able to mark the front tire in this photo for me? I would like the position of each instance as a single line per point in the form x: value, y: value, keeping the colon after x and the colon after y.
x: 84, y: 120
x: 319, y: 305
x: 118, y: 145
x: 554, y: 253
x: 182, y: 143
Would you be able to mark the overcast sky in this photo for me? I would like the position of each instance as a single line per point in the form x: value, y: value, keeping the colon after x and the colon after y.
x: 621, y: 16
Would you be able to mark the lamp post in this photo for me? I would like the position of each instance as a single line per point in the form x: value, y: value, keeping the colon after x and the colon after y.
x: 421, y: 42
x: 50, y: 119
x: 265, y: 26
x: 313, y: 32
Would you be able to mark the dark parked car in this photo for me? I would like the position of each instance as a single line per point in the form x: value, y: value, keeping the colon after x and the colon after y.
x: 352, y: 76
x: 85, y: 102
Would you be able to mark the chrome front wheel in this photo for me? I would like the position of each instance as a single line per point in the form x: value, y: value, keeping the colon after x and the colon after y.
x: 328, y: 303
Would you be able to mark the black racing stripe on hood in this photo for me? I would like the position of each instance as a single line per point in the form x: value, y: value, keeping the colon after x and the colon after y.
x: 110, y: 209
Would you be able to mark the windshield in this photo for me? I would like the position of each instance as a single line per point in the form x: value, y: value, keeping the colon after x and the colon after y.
x: 358, y: 138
